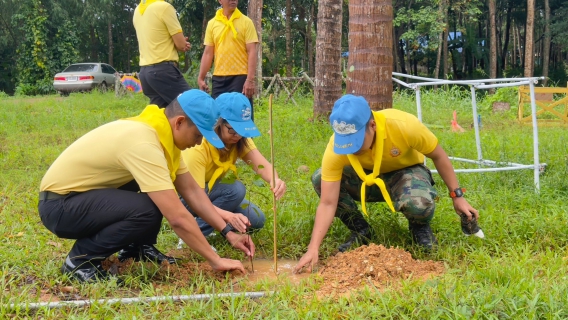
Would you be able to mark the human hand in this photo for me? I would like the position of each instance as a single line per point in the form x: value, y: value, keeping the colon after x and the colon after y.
x: 187, y: 45
x: 239, y: 222
x: 249, y: 88
x: 202, y: 85
x: 462, y: 207
x: 310, y: 259
x: 223, y: 264
x: 242, y: 242
x: 279, y: 188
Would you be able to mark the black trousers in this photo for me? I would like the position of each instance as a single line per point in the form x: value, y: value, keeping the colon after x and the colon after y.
x: 162, y: 83
x: 223, y: 84
x: 103, y: 221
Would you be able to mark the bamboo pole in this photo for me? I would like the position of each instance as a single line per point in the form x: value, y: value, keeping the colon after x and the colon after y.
x: 273, y: 182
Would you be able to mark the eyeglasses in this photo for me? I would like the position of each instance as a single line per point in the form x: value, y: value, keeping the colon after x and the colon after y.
x: 231, y: 130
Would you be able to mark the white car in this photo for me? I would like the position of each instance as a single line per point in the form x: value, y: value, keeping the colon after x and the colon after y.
x: 84, y: 77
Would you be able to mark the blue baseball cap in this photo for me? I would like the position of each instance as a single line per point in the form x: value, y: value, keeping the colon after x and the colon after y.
x: 349, y: 118
x: 202, y: 110
x: 236, y: 109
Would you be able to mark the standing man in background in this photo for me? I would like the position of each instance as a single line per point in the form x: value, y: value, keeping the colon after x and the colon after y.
x: 160, y: 37
x: 231, y: 39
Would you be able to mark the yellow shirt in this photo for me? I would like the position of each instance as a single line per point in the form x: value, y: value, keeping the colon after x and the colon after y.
x: 200, y: 162
x: 231, y: 56
x: 109, y: 157
x: 406, y: 142
x: 154, y: 30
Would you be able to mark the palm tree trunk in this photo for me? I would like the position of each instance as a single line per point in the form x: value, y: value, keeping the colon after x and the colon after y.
x: 370, y: 51
x: 288, y: 38
x: 255, y: 14
x: 529, y: 42
x: 328, y: 57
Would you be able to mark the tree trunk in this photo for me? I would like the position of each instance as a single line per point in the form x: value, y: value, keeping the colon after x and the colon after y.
x: 328, y: 83
x: 546, y: 51
x: 94, y: 52
x: 507, y: 32
x: 529, y: 42
x: 255, y: 14
x: 370, y: 51
x: 310, y: 40
x: 440, y: 39
x: 492, y: 43
x: 288, y: 38
x: 445, y: 52
x: 514, y: 57
x: 110, y: 45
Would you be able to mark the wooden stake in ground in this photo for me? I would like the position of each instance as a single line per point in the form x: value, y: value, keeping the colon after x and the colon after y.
x: 273, y: 180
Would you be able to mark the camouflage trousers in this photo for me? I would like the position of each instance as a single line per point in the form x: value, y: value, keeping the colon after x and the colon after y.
x: 411, y: 191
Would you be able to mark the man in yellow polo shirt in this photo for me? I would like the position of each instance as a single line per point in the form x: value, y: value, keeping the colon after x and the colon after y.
x: 160, y: 37
x: 110, y: 189
x: 231, y: 40
x: 379, y: 156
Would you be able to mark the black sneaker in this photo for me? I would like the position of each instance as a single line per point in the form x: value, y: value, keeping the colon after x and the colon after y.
x: 144, y: 252
x: 357, y: 238
x: 422, y: 234
x: 88, y: 271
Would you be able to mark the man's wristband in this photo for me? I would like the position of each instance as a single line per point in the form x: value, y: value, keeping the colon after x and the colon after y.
x: 457, y: 193
x: 250, y: 80
x: 228, y: 228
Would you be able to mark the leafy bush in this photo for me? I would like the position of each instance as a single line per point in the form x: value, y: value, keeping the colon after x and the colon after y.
x: 504, y: 94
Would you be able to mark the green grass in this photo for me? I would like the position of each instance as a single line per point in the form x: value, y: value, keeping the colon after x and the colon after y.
x: 518, y: 271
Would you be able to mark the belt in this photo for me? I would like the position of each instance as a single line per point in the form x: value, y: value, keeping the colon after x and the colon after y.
x: 48, y: 195
x: 175, y: 63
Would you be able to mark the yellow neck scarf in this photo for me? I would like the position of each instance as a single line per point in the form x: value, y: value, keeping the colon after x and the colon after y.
x: 373, y: 178
x: 222, y: 167
x: 144, y: 4
x: 219, y: 16
x: 156, y: 118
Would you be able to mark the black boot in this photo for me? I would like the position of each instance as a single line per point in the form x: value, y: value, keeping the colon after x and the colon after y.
x: 144, y: 252
x: 88, y: 271
x: 422, y: 234
x: 361, y: 231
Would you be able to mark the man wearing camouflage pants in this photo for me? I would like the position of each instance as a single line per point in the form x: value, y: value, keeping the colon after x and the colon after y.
x: 378, y: 157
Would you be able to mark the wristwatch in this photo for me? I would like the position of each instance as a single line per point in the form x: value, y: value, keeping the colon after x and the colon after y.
x: 228, y: 228
x: 457, y: 193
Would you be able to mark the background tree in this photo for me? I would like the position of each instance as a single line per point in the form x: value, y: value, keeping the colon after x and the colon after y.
x: 328, y: 54
x: 370, y: 56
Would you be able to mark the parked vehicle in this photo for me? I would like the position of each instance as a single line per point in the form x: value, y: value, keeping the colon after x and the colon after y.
x: 84, y: 77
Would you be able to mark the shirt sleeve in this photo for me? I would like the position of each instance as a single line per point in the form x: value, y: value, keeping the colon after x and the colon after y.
x: 421, y: 138
x: 332, y: 164
x: 208, y: 40
x: 147, y: 164
x: 169, y: 16
x: 196, y: 160
x: 182, y: 167
x: 250, y: 34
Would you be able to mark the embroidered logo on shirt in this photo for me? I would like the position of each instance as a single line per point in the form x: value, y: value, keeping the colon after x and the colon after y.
x: 395, y: 152
x: 343, y: 128
x: 246, y: 114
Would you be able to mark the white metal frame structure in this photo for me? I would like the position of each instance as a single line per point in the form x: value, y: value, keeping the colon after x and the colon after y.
x: 481, y: 84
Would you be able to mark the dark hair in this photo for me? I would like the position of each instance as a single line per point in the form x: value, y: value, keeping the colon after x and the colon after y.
x: 174, y: 110
x: 239, y: 147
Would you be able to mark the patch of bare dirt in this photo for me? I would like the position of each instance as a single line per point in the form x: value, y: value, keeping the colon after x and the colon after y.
x: 373, y: 265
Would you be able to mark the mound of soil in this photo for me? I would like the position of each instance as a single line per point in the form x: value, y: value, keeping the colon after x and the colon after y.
x: 373, y: 265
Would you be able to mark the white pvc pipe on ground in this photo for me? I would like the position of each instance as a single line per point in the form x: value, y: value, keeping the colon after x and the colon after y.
x: 82, y: 303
